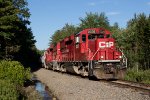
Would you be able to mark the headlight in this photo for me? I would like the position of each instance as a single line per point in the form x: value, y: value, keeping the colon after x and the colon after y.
x: 120, y: 56
x: 102, y: 57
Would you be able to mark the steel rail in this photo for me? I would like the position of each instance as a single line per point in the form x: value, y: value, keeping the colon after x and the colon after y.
x: 134, y: 85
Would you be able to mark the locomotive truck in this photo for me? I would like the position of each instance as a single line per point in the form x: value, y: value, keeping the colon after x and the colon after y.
x: 91, y: 52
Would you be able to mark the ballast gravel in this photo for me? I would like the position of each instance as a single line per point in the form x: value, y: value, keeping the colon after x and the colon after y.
x: 69, y: 87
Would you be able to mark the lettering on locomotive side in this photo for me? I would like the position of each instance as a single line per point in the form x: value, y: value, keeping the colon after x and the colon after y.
x: 106, y: 44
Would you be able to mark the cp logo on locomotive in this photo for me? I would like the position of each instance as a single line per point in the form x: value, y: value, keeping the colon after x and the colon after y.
x: 106, y: 44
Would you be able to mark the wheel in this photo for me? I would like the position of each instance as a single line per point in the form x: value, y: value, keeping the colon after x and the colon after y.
x: 62, y: 68
x: 84, y: 72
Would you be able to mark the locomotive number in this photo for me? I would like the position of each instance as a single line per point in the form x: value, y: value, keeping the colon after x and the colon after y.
x: 91, y: 31
x: 106, y: 44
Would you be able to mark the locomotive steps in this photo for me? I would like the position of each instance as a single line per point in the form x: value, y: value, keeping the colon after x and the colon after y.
x: 69, y: 87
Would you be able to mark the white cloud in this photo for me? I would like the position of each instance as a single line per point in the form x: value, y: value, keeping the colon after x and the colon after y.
x: 112, y: 13
x: 92, y: 4
x: 148, y: 3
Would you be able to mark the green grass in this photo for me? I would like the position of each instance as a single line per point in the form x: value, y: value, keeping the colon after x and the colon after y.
x: 142, y: 76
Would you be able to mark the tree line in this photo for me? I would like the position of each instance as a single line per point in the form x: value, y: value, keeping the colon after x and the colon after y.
x: 134, y: 40
x: 16, y: 38
x: 18, y: 53
x: 17, y: 41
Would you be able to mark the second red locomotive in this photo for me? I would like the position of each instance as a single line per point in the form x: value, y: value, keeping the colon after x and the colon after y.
x: 91, y: 52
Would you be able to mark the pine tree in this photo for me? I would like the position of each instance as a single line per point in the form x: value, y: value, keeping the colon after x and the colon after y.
x: 66, y: 31
x: 16, y: 38
x: 137, y: 41
x: 8, y: 16
x: 94, y: 20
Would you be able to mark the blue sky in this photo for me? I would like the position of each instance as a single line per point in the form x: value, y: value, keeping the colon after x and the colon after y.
x: 47, y: 16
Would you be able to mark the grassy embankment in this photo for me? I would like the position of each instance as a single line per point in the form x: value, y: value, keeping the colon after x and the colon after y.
x: 142, y: 76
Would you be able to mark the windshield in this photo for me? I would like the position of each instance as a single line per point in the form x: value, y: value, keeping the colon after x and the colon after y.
x: 95, y: 36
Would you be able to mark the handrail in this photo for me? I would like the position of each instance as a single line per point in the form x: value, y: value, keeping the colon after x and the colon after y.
x: 89, y: 50
x: 124, y: 57
x: 43, y: 58
x: 95, y: 53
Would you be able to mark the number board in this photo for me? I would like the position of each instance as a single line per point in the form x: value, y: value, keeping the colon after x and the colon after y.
x: 91, y: 31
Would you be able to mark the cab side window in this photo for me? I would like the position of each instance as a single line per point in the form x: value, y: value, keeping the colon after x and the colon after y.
x: 101, y: 36
x: 83, y: 38
x: 108, y: 36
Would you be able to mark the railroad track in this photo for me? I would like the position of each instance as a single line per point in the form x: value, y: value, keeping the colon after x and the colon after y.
x: 122, y: 83
x: 127, y: 84
x: 134, y: 85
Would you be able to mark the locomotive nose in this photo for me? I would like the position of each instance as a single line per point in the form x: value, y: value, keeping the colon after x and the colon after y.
x: 105, y: 49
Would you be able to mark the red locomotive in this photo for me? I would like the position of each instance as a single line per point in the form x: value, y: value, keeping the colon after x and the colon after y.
x: 91, y: 52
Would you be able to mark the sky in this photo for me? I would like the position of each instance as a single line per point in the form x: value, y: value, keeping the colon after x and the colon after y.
x: 47, y: 16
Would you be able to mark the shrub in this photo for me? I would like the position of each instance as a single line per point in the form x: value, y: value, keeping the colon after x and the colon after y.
x: 138, y: 76
x: 12, y: 77
x: 8, y: 90
x: 146, y: 76
x: 14, y: 72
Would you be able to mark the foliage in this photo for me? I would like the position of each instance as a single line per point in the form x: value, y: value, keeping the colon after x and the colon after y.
x: 136, y: 47
x: 14, y: 72
x: 94, y: 20
x: 142, y: 76
x: 8, y: 90
x: 16, y: 43
x: 12, y: 76
x: 135, y: 41
x: 66, y: 31
x: 16, y: 38
x: 41, y: 52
